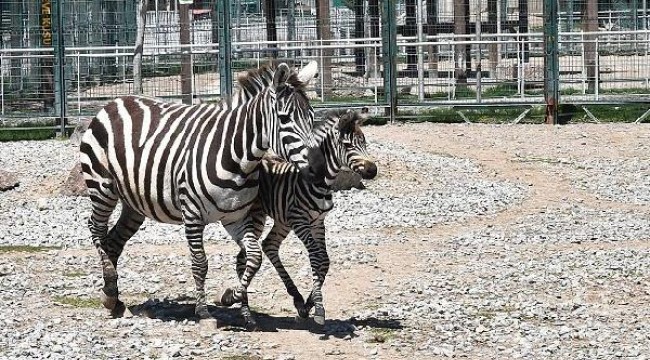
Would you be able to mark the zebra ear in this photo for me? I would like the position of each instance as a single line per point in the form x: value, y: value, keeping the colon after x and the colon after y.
x: 365, y: 114
x: 281, y: 75
x: 308, y: 72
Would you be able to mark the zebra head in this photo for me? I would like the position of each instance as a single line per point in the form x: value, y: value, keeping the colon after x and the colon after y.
x: 353, y: 144
x: 292, y: 137
x: 343, y: 144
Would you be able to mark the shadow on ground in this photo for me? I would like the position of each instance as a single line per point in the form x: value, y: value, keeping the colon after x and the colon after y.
x: 230, y: 319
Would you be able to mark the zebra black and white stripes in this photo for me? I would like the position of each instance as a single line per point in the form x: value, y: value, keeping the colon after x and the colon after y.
x: 300, y: 205
x: 193, y: 165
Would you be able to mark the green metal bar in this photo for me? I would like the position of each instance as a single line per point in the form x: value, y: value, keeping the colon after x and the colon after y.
x: 59, y: 65
x: 551, y: 61
x: 225, y: 50
x: 389, y: 48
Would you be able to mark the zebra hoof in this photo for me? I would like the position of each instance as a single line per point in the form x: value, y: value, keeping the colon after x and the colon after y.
x: 319, y: 319
x: 227, y: 299
x: 202, y: 312
x: 303, y: 312
x: 119, y: 310
x: 251, y: 325
x: 109, y: 302
x: 319, y: 314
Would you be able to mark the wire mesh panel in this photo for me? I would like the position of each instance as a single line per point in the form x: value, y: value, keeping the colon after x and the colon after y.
x: 460, y: 53
x: 26, y: 59
x: 604, y: 49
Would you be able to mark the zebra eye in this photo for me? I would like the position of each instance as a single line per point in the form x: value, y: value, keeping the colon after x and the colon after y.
x: 284, y: 118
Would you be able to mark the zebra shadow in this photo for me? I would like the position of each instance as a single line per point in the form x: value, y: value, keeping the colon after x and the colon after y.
x: 230, y: 319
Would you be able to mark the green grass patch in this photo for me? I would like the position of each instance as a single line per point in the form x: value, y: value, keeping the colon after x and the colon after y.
x: 29, y: 130
x: 499, y: 115
x: 613, y: 113
x: 625, y: 91
x: 504, y: 90
x: 380, y: 335
x: 240, y: 357
x: 77, y: 302
x: 19, y: 134
x: 75, y: 273
x: 348, y: 100
x: 4, y: 249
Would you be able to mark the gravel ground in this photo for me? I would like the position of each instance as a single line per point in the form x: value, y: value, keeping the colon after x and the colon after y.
x: 473, y: 242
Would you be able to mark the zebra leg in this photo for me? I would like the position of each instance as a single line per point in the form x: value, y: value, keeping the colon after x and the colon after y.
x: 194, y: 234
x: 271, y: 246
x: 314, y: 240
x: 113, y: 244
x: 244, y: 233
x: 104, y: 200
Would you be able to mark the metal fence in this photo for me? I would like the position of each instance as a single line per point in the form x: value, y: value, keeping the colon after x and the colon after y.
x: 66, y: 59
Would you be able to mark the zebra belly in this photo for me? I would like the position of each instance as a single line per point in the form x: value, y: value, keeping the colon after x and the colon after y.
x: 228, y: 205
x: 160, y: 207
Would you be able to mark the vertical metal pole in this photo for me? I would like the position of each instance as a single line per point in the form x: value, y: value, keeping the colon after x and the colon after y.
x: 551, y: 61
x: 389, y: 47
x: 59, y: 65
x: 225, y: 50
x: 420, y: 50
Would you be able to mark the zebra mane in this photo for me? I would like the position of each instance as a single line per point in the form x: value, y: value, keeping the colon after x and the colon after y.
x: 346, y: 119
x: 253, y: 81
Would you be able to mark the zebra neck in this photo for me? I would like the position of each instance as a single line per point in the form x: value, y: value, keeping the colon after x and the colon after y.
x: 330, y: 146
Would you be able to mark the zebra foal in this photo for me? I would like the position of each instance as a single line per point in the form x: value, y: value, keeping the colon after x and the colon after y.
x: 299, y: 204
x: 192, y: 165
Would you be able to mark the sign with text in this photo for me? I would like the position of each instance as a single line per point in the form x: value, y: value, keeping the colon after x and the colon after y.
x: 46, y: 22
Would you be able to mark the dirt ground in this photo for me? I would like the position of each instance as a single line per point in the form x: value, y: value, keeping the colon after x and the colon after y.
x: 521, y: 154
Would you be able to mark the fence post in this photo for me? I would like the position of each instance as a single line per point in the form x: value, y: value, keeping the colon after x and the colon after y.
x: 389, y: 48
x: 225, y: 61
x: 551, y: 61
x: 60, y: 98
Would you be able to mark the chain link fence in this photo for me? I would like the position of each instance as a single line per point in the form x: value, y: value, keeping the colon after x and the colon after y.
x: 398, y: 55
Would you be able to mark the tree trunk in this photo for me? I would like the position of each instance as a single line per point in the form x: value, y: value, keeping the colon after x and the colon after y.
x: 324, y: 33
x: 271, y: 29
x: 16, y: 42
x: 373, y: 15
x: 410, y: 29
x: 460, y: 28
x: 493, y: 49
x: 523, y: 28
x: 186, y: 56
x: 359, y: 53
x: 591, y: 25
x: 432, y: 24
x: 109, y: 70
x: 139, y: 43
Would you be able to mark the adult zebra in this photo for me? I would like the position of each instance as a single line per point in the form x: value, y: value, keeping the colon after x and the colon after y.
x: 192, y: 165
x: 299, y: 204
